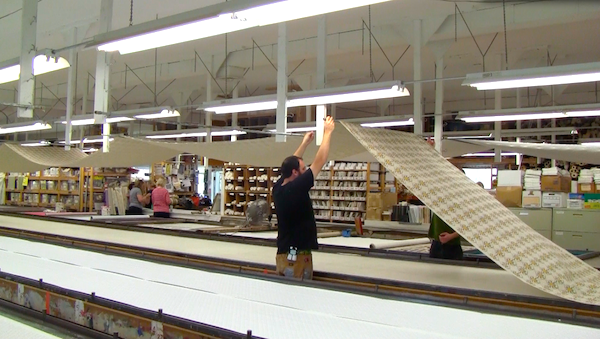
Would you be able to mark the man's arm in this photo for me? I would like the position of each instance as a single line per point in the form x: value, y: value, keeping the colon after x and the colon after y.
x: 323, y: 152
x: 308, y: 138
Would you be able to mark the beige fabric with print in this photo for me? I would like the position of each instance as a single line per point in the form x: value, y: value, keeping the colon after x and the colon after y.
x: 479, y: 218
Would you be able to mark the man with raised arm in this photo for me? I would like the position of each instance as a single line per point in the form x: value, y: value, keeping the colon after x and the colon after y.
x: 297, y: 228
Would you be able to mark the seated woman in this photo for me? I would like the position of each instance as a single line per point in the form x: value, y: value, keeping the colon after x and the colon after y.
x: 136, y: 199
x: 161, y: 200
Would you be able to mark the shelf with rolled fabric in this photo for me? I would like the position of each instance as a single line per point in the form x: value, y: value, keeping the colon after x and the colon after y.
x: 108, y: 187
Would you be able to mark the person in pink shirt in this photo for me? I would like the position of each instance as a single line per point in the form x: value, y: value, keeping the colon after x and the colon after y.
x: 161, y: 200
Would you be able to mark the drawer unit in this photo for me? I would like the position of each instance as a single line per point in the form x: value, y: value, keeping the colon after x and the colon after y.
x: 583, y: 221
x: 538, y: 219
x: 577, y: 240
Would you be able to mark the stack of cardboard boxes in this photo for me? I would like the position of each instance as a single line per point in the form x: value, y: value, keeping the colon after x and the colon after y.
x: 555, y: 187
x: 380, y: 205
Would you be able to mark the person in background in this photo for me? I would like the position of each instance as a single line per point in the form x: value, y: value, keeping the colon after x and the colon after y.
x: 161, y: 200
x: 151, y: 187
x: 136, y: 199
x: 445, y: 242
x: 297, y: 228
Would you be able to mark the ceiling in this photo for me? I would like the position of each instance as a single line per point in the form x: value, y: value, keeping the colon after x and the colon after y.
x: 538, y: 33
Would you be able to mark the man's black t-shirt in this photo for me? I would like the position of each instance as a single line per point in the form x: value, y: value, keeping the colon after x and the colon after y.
x: 295, y: 215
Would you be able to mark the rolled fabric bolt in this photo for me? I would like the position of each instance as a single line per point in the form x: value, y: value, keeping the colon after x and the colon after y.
x: 329, y: 234
x: 400, y: 243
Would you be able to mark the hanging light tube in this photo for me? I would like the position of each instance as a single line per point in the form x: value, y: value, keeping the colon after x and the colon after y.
x: 489, y: 154
x: 87, y: 119
x: 164, y: 114
x: 535, y: 77
x: 36, y: 144
x: 86, y: 141
x: 216, y: 20
x: 533, y: 113
x: 374, y: 91
x: 364, y: 92
x: 385, y: 121
x: 194, y: 134
x: 44, y: 62
x: 24, y: 127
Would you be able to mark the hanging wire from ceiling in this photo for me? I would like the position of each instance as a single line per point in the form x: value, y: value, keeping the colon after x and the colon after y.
x: 131, y: 14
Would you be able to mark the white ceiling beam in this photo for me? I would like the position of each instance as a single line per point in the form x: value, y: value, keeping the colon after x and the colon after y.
x: 28, y: 53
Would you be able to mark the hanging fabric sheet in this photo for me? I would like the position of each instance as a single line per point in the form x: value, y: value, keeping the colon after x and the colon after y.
x: 480, y: 218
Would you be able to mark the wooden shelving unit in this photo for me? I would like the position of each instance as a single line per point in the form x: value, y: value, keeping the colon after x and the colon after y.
x: 244, y: 184
x: 340, y: 192
x: 100, y: 180
x: 47, y: 188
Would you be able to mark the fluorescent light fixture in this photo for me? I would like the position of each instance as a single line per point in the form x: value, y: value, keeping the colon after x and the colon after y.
x: 489, y: 154
x: 531, y: 113
x: 381, y: 121
x: 515, y: 117
x: 42, y: 63
x: 409, y: 122
x: 88, y: 119
x: 38, y: 143
x: 216, y: 20
x: 195, y: 133
x: 534, y: 77
x: 594, y: 144
x: 86, y: 141
x: 489, y: 136
x: 354, y: 93
x: 262, y: 103
x: 297, y: 129
x: 374, y: 91
x: 24, y: 127
x: 161, y: 115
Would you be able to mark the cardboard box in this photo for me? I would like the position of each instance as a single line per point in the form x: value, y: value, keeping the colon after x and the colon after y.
x: 532, y: 199
x: 554, y: 199
x: 507, y: 178
x: 586, y: 188
x: 374, y: 213
x: 574, y: 204
x: 591, y: 197
x: 591, y: 205
x: 556, y: 183
x: 383, y: 201
x: 509, y: 196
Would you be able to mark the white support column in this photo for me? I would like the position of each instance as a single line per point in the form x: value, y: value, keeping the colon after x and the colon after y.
x: 518, y: 162
x: 321, y: 110
x: 281, y: 118
x: 308, y: 113
x: 438, y: 128
x: 498, y: 125
x: 209, y: 97
x: 71, y: 81
x: 234, y: 116
x: 418, y: 92
x: 84, y: 108
x: 28, y: 52
x: 103, y: 60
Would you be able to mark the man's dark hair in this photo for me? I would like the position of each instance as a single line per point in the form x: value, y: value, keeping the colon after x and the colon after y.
x: 288, y: 165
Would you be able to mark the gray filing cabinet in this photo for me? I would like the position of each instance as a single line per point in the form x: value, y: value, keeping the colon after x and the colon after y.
x: 576, y: 229
x: 538, y: 219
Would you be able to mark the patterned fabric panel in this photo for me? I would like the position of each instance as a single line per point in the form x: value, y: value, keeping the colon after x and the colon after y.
x: 479, y: 217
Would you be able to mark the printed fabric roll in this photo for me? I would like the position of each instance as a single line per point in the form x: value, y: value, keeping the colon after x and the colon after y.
x: 480, y: 218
